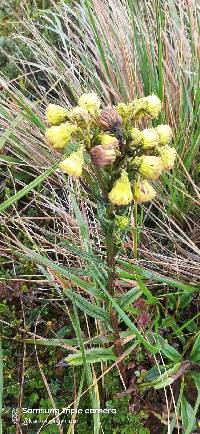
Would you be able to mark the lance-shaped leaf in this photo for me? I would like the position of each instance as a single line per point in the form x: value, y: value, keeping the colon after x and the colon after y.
x: 95, y: 355
x: 86, y: 306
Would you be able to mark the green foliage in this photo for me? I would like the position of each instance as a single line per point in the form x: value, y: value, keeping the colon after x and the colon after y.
x: 60, y: 259
x: 123, y: 422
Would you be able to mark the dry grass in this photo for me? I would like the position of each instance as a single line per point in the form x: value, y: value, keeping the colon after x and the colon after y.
x: 120, y: 49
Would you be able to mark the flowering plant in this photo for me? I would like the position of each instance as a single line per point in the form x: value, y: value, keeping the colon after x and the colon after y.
x: 124, y: 159
x: 130, y: 157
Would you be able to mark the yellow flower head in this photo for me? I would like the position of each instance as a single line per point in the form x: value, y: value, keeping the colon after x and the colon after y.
x: 165, y: 134
x: 59, y: 136
x: 73, y: 165
x: 136, y: 136
x: 90, y: 102
x: 137, y: 108
x: 80, y: 116
x: 149, y: 166
x: 143, y: 191
x: 121, y: 193
x: 168, y: 156
x: 150, y: 138
x: 108, y: 139
x: 152, y: 106
x: 125, y: 111
x: 56, y: 115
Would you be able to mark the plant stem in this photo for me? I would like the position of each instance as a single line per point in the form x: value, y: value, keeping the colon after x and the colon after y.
x: 111, y: 288
x: 135, y: 234
x: 101, y: 183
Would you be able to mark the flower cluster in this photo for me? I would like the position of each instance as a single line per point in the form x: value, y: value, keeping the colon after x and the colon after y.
x: 131, y: 157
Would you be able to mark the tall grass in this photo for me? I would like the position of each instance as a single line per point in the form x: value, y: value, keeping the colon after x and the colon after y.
x: 121, y: 50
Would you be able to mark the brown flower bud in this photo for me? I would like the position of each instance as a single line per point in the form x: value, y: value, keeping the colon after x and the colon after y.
x: 104, y: 154
x: 110, y: 119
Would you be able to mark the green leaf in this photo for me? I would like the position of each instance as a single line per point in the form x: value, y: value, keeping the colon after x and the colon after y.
x: 178, y: 404
x: 84, y: 231
x: 187, y: 415
x: 11, y: 160
x: 86, y: 306
x: 195, y: 353
x: 154, y: 373
x: 152, y: 348
x: 63, y: 343
x: 150, y: 275
x: 164, y: 379
x: 187, y: 325
x: 151, y: 299
x: 196, y: 377
x: 95, y: 355
x: 129, y: 297
x: 93, y: 392
x: 73, y: 342
x: 41, y: 259
x: 169, y: 351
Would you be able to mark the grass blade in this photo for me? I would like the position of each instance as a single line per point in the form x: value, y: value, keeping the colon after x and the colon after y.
x: 13, y: 199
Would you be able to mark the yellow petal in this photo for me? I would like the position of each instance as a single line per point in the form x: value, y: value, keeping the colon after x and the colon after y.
x: 121, y: 193
x: 73, y: 164
x: 150, y: 138
x: 168, y: 156
x: 149, y: 166
x: 56, y: 114
x: 60, y: 135
x: 165, y: 134
x: 143, y: 191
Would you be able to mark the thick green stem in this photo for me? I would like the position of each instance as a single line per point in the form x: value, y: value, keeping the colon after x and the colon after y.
x: 111, y: 251
x: 135, y: 233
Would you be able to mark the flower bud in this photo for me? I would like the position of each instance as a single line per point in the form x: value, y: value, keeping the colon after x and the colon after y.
x: 90, y: 102
x: 165, y: 134
x: 168, y: 156
x: 108, y: 139
x: 102, y: 155
x: 55, y: 114
x: 143, y: 191
x: 122, y: 222
x: 59, y: 136
x: 136, y: 137
x: 149, y: 166
x: 73, y: 164
x: 121, y: 193
x: 80, y: 116
x: 153, y: 106
x: 109, y: 119
x: 150, y: 138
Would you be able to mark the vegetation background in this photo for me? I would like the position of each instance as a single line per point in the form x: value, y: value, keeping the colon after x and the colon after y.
x: 53, y: 51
